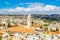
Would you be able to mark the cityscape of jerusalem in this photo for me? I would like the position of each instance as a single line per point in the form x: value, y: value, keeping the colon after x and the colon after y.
x: 25, y: 27
x: 29, y: 19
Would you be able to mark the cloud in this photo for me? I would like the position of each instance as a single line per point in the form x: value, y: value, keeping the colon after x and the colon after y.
x: 33, y: 8
x: 50, y: 8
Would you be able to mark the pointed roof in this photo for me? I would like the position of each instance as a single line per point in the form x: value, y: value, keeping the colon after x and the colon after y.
x: 29, y: 15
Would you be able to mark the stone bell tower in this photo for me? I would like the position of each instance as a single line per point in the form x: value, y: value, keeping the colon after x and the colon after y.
x: 28, y: 21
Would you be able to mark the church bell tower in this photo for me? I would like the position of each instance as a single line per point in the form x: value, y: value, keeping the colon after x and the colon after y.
x: 29, y: 21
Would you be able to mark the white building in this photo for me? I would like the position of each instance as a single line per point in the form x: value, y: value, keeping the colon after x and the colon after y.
x: 29, y: 21
x: 16, y: 36
x: 32, y: 37
x: 5, y: 36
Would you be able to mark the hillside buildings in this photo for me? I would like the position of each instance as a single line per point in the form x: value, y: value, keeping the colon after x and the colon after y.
x: 28, y: 28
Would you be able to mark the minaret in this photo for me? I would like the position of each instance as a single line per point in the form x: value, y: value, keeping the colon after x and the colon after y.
x: 29, y: 21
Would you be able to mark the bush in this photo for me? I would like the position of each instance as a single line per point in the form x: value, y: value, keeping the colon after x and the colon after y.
x: 57, y: 29
x: 45, y: 24
x: 0, y: 38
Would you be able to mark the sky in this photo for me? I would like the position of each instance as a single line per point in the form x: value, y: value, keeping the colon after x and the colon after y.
x: 29, y: 6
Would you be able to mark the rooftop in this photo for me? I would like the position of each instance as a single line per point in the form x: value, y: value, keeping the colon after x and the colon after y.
x: 18, y: 29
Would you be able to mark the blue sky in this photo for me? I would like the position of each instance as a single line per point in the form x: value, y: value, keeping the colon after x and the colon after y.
x: 14, y: 5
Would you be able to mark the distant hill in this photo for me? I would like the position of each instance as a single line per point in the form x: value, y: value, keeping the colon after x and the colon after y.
x: 48, y: 17
x: 1, y: 14
x: 42, y: 16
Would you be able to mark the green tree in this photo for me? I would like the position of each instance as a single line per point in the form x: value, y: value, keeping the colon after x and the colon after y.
x: 9, y: 25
